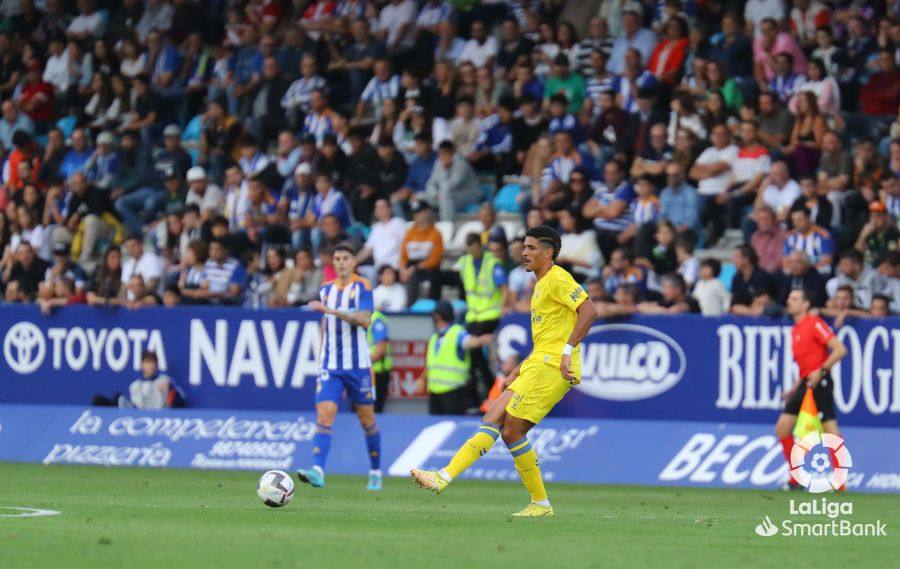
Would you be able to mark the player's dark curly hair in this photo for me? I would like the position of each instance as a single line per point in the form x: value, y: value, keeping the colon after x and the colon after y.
x: 548, y: 236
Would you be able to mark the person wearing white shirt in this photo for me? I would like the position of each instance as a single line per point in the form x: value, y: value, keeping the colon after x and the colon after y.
x: 755, y: 11
x: 141, y: 262
x: 87, y: 23
x: 579, y: 247
x: 383, y: 244
x: 710, y: 292
x: 396, y: 22
x: 714, y: 174
x: 208, y: 197
x: 56, y: 71
x: 481, y: 49
x: 779, y: 190
x: 390, y: 294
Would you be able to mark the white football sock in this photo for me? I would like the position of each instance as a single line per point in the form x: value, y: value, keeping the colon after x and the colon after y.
x: 443, y: 474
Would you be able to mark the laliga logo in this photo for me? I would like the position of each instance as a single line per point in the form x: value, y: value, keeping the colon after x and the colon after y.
x: 817, y: 482
x: 24, y: 347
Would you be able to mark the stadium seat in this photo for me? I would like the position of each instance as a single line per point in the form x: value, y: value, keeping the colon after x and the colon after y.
x: 505, y: 200
x: 66, y: 125
x: 423, y: 306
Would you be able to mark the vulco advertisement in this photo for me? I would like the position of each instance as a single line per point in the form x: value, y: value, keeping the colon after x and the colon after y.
x: 571, y: 450
x: 695, y: 368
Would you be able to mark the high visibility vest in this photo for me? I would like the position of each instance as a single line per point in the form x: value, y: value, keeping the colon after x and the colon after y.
x: 387, y: 362
x: 484, y: 299
x: 446, y: 371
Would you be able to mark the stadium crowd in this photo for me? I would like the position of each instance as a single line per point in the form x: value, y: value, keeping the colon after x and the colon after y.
x: 213, y: 151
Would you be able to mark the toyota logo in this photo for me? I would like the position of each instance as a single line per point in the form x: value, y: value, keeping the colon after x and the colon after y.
x: 24, y: 347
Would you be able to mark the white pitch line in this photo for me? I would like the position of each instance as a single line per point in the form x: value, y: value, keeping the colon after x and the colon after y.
x: 27, y: 512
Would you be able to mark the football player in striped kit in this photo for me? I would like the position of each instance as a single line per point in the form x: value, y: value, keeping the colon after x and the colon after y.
x: 345, y: 365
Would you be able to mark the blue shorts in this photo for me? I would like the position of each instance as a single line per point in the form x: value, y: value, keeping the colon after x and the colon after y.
x: 330, y: 386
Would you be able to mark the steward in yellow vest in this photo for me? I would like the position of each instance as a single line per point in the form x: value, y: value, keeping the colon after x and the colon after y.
x: 447, y: 363
x: 484, y: 281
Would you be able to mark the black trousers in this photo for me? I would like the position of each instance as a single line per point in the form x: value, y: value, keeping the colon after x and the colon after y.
x: 450, y: 403
x: 382, y: 380
x: 481, y: 378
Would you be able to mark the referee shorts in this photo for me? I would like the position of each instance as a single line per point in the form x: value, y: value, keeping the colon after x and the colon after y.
x: 823, y: 394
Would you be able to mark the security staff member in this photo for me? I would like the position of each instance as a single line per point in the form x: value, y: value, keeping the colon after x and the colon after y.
x: 382, y: 362
x: 484, y: 281
x: 447, y: 363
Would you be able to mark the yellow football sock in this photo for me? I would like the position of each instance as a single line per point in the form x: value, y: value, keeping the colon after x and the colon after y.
x: 473, y: 449
x: 526, y: 460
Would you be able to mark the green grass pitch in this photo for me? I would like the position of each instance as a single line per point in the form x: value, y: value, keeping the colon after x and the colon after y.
x: 167, y: 519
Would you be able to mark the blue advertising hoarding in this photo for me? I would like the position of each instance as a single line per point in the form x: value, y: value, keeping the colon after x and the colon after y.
x: 686, y: 368
x: 606, y: 451
x: 695, y: 368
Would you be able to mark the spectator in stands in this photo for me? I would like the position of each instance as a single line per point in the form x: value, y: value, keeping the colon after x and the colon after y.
x: 223, y: 276
x: 621, y: 270
x: 880, y: 95
x: 816, y: 242
x: 853, y: 273
x: 749, y: 278
x: 420, y: 168
x: 22, y: 266
x: 390, y: 294
x: 878, y: 236
x: 87, y: 219
x: 815, y: 202
x: 656, y: 154
x: 137, y: 295
x: 420, y: 254
x: 675, y: 298
x: 306, y: 279
x: 834, y: 171
x: 679, y: 202
x: 805, y: 147
x: 632, y: 36
x: 383, y: 245
x: 881, y: 307
x: 798, y: 272
x: 13, y: 120
x: 609, y: 207
x: 842, y: 306
x: 141, y: 262
x: 709, y: 291
x: 579, y: 251
x: 750, y: 169
x: 218, y: 141
x: 713, y: 170
x: 768, y: 239
x: 78, y: 154
x: 779, y: 191
x: 453, y: 184
x: 775, y: 122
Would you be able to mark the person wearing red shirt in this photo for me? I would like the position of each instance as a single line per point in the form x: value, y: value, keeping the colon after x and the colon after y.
x: 36, y: 97
x: 816, y: 349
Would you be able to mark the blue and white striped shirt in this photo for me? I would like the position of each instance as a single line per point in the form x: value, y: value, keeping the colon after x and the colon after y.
x: 816, y: 244
x: 344, y: 346
x: 319, y: 125
x: 297, y: 95
x: 494, y: 136
x: 377, y: 91
x: 218, y: 277
x: 432, y: 15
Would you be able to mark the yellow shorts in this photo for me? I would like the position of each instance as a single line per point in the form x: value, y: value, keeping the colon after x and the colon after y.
x: 536, y: 391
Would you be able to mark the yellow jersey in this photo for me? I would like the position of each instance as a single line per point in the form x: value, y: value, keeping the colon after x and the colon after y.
x: 553, y: 313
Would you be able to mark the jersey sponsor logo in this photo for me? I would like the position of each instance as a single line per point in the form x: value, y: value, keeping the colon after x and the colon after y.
x: 628, y: 362
x: 576, y: 294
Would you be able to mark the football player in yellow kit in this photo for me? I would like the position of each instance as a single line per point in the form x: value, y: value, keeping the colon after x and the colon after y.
x: 561, y: 316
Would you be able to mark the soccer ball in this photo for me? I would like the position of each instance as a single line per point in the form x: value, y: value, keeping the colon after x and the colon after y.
x: 275, y: 488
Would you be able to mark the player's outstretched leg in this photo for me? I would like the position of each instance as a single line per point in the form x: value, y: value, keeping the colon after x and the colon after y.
x: 477, y: 446
x: 366, y: 414
x: 315, y: 476
x: 526, y: 459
